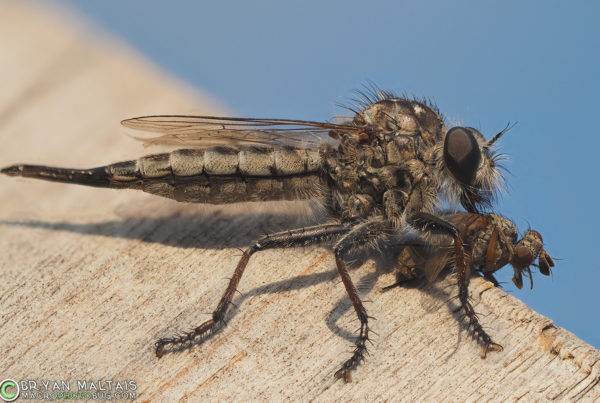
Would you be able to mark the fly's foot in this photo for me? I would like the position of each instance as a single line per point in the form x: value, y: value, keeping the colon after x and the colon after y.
x: 478, y: 333
x: 159, y: 348
x: 189, y: 337
x: 345, y: 372
x: 358, y: 356
x: 482, y: 337
x: 490, y: 346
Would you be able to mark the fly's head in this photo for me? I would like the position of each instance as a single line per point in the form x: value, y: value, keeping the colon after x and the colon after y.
x: 467, y: 168
x: 525, y: 251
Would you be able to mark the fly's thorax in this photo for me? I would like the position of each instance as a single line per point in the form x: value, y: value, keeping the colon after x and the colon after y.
x: 402, y: 149
x: 366, y: 182
x: 386, y: 177
x: 407, y: 131
x: 403, y: 117
x: 495, y: 232
x: 506, y: 226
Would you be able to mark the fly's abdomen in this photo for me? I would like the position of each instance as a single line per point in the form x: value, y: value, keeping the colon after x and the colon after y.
x: 215, y: 175
x: 226, y: 175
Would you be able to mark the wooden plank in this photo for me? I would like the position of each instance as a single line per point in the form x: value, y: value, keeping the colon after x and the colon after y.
x: 92, y: 277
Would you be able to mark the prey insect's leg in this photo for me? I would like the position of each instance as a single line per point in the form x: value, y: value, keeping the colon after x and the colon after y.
x: 297, y: 237
x: 430, y: 223
x: 490, y: 277
x: 360, y: 236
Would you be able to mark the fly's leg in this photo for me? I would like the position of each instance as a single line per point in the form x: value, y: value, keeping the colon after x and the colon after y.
x: 362, y: 235
x: 491, y: 255
x: 490, y: 277
x: 463, y: 295
x: 430, y: 223
x: 286, y: 239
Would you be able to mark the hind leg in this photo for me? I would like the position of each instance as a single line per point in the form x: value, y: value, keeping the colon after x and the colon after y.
x: 286, y: 239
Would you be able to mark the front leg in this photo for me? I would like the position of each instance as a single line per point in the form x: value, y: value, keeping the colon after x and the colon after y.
x: 433, y: 224
x: 361, y: 236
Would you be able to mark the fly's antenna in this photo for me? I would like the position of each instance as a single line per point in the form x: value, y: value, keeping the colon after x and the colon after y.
x: 497, y: 136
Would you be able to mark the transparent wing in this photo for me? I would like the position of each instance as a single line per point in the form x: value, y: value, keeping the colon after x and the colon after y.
x: 202, y: 131
x: 436, y: 261
x: 439, y: 252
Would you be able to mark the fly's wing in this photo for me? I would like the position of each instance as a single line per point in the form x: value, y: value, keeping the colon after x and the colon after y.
x: 430, y: 255
x: 439, y: 254
x: 204, y: 131
x: 435, y: 260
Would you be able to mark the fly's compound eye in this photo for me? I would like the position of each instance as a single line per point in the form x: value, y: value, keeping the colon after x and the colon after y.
x: 462, y: 154
x: 532, y: 240
x: 527, y: 249
x: 523, y: 256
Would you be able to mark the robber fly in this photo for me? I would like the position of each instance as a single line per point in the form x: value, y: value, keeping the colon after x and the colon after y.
x: 379, y: 174
x: 490, y: 243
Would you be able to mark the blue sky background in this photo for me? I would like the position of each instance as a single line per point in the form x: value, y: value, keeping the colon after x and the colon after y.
x: 483, y: 63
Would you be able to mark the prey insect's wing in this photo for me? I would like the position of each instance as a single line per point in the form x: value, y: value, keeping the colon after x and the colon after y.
x: 203, y: 131
x: 430, y: 255
x: 435, y: 260
x: 439, y: 254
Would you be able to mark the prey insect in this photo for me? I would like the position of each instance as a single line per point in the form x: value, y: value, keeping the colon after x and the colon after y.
x: 490, y: 243
x: 377, y: 175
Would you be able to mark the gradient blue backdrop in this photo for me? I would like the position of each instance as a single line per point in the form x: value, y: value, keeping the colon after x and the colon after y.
x: 484, y: 64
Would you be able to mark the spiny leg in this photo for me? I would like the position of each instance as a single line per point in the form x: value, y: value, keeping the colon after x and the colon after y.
x: 360, y: 236
x: 463, y: 296
x: 297, y: 237
x: 430, y: 223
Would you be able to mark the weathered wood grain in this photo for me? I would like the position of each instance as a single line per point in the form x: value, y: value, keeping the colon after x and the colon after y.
x: 92, y: 277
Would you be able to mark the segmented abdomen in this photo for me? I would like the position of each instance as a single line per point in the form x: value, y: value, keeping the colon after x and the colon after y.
x: 223, y: 174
